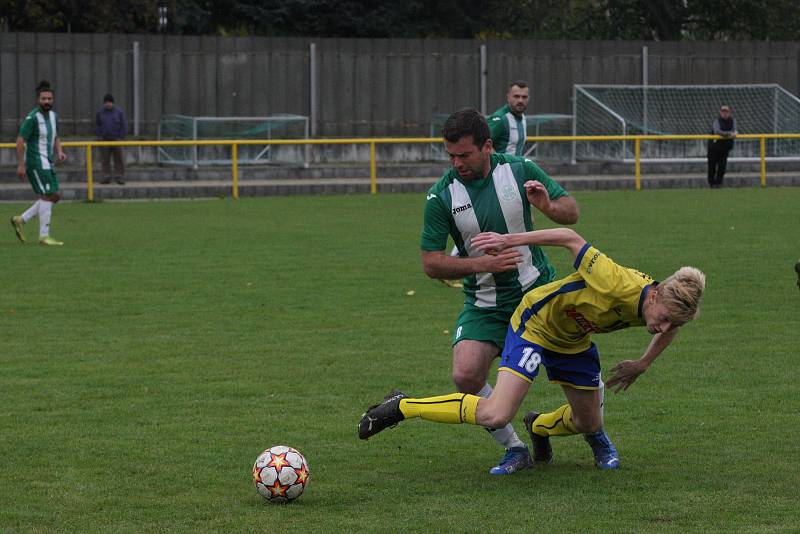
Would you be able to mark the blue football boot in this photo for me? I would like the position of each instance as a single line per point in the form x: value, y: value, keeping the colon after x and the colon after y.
x: 605, y: 454
x: 515, y: 459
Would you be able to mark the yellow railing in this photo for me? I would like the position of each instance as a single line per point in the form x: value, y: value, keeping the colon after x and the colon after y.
x: 372, y: 142
x: 637, y: 139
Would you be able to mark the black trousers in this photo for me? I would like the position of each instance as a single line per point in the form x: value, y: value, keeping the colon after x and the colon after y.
x: 119, y: 161
x: 717, y: 160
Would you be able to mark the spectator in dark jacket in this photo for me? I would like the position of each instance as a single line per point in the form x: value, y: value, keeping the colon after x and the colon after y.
x: 110, y: 125
x: 718, y: 149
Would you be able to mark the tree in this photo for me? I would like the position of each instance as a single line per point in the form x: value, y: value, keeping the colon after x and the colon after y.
x: 501, y: 19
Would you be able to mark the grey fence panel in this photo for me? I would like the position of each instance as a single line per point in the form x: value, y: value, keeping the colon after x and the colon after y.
x: 174, y: 83
x: 89, y: 89
x: 28, y: 76
x: 242, y: 99
x: 153, y: 90
x: 191, y: 76
x: 417, y: 110
x: 435, y: 95
x: 667, y: 68
x: 783, y: 68
x: 102, y: 50
x: 335, y: 93
x: 226, y: 83
x: 365, y: 86
x: 395, y: 95
x: 76, y: 110
x: 120, y: 83
x: 205, y: 49
x: 545, y: 72
x: 45, y: 58
x: 260, y: 78
x: 9, y: 97
x: 461, y: 81
x: 196, y: 82
x: 378, y: 91
x: 295, y: 85
x: 365, y: 98
x: 64, y: 77
x: 275, y: 71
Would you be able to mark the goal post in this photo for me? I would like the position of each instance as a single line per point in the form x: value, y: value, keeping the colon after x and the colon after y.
x: 682, y: 110
x: 183, y: 128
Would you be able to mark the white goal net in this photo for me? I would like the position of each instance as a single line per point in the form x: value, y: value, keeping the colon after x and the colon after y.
x: 185, y: 128
x: 679, y: 110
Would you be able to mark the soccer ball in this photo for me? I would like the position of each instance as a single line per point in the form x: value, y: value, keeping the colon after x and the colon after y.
x: 280, y: 474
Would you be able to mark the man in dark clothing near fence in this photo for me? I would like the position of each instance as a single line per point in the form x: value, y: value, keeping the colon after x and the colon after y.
x: 718, y: 149
x: 110, y: 125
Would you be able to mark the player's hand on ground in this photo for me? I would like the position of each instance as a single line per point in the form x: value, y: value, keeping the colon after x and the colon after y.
x: 537, y: 194
x: 624, y: 374
x: 502, y: 261
x: 490, y: 242
x: 21, y: 172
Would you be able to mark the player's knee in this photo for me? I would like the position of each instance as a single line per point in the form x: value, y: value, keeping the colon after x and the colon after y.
x: 468, y: 381
x: 494, y: 416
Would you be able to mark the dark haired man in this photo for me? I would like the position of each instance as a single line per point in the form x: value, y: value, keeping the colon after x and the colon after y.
x: 508, y: 130
x: 38, y: 148
x: 507, y: 124
x: 488, y: 192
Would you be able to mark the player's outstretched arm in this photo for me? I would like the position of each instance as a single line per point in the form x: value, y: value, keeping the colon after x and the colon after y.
x: 493, y: 243
x: 437, y: 264
x: 626, y: 372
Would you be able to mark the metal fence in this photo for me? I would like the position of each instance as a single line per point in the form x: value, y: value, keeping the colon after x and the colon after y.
x: 234, y: 144
x: 349, y: 87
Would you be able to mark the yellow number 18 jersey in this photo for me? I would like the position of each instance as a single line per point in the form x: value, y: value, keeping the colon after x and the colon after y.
x: 600, y: 296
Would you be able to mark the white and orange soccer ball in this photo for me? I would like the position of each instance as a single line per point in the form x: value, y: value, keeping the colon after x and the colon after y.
x: 280, y: 474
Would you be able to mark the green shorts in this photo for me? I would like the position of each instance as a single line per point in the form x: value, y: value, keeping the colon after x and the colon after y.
x: 43, y: 181
x: 482, y: 324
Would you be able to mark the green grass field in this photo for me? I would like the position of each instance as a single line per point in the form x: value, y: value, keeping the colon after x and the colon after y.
x: 145, y: 365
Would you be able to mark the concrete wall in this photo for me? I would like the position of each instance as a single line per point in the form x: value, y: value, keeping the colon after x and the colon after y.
x: 366, y: 87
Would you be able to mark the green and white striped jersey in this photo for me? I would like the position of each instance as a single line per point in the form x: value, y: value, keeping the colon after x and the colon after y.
x: 508, y: 131
x: 38, y: 130
x: 496, y: 203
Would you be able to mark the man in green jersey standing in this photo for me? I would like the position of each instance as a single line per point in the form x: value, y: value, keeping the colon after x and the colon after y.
x: 508, y: 123
x: 38, y: 148
x: 508, y: 130
x: 487, y: 191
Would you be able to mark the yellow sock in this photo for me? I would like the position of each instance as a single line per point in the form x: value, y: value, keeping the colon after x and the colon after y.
x: 453, y: 408
x: 557, y: 423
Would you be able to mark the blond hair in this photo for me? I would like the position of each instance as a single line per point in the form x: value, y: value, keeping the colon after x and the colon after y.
x: 681, y: 293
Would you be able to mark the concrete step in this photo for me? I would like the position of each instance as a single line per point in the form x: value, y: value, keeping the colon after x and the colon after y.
x: 179, y: 174
x: 153, y: 173
x: 165, y: 189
